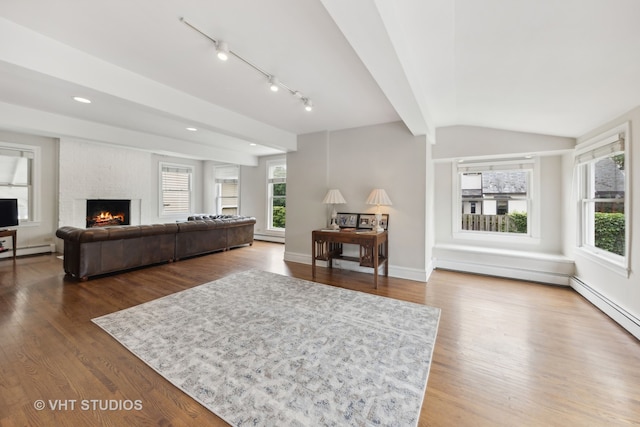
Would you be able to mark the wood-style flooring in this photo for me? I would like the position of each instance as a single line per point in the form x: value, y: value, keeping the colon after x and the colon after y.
x: 508, y: 353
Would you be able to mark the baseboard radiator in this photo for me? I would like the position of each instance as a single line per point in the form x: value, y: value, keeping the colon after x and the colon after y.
x: 30, y: 250
x: 621, y: 316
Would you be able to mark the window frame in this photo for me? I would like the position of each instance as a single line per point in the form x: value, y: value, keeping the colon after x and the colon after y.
x: 586, y: 154
x: 34, y: 187
x: 161, y: 210
x: 270, y: 181
x: 225, y: 175
x: 532, y: 163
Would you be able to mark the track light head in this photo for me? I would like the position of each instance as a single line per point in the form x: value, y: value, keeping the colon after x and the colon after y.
x: 274, y: 84
x: 222, y: 50
x: 308, y: 105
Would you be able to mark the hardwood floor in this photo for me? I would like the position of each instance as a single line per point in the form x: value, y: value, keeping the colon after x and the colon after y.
x: 508, y: 352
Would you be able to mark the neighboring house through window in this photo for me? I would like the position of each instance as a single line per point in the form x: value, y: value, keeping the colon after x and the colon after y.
x: 175, y: 192
x: 277, y: 194
x: 495, y: 198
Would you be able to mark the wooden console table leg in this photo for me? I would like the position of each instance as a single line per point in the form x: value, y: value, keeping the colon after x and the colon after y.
x: 376, y: 258
x: 313, y: 259
x: 13, y: 242
x: 12, y: 234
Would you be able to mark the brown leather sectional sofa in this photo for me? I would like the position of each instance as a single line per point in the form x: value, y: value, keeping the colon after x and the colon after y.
x: 94, y: 251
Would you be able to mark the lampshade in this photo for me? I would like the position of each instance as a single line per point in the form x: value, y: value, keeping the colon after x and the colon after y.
x: 333, y: 197
x: 378, y: 197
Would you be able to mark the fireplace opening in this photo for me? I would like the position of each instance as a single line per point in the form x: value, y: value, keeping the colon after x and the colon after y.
x: 103, y: 212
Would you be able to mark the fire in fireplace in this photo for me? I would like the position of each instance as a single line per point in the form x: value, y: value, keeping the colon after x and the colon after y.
x: 103, y: 212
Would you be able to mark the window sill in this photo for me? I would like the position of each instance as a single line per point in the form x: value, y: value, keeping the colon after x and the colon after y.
x: 496, y: 237
x: 594, y: 255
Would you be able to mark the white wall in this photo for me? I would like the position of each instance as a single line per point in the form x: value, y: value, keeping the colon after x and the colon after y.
x: 253, y: 197
x: 38, y: 236
x: 91, y: 170
x: 617, y: 295
x: 540, y: 259
x: 356, y: 161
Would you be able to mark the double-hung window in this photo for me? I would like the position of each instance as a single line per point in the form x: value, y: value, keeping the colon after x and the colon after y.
x: 175, y: 189
x: 495, y: 198
x: 603, y: 182
x: 227, y: 189
x: 277, y: 194
x: 17, y: 176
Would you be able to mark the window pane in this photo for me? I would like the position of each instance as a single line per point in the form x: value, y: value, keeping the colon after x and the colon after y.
x: 277, y: 181
x: 176, y: 190
x: 279, y: 171
x: 279, y: 210
x: 15, y: 179
x: 605, y: 212
x: 609, y: 178
x: 279, y: 189
x: 495, y: 201
x: 609, y: 230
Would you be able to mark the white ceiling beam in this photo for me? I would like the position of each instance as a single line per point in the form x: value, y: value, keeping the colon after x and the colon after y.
x: 367, y: 31
x: 21, y: 119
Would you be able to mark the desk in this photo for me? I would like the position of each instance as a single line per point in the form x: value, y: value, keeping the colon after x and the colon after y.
x: 374, y: 249
x: 12, y: 233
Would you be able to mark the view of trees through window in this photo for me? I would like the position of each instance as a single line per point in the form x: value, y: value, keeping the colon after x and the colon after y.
x: 606, y: 207
x: 277, y: 195
x: 279, y: 205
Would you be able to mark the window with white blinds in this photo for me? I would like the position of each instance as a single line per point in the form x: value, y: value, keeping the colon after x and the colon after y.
x: 16, y: 178
x: 175, y: 189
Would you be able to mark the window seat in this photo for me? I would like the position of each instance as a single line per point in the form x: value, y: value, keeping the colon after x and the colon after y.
x: 525, y: 265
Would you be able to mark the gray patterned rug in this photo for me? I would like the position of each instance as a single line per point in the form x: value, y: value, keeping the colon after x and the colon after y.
x: 262, y: 349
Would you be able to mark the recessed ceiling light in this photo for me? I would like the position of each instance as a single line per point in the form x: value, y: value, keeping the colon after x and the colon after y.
x: 81, y: 99
x: 253, y: 144
x: 190, y: 129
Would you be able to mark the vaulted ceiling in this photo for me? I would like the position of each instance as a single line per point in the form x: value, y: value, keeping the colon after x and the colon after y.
x: 543, y: 66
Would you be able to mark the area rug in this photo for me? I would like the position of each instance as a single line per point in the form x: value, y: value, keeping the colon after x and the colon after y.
x: 262, y: 349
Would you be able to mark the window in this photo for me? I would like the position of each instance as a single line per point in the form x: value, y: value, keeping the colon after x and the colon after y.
x: 227, y: 190
x: 175, y: 193
x: 495, y: 197
x: 17, y: 177
x: 603, y: 183
x: 277, y: 194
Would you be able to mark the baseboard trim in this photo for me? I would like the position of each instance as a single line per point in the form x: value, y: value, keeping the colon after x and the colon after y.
x: 504, y: 271
x: 31, y: 250
x: 618, y: 314
x: 268, y: 238
x: 394, y: 271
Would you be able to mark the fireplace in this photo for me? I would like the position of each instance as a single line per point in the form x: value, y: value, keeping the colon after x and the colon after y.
x: 103, y: 212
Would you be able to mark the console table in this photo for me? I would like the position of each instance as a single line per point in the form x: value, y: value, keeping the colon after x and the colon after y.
x: 12, y: 233
x: 374, y: 249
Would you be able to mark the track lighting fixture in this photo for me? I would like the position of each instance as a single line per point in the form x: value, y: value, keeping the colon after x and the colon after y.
x: 223, y: 52
x: 308, y: 105
x: 273, y: 84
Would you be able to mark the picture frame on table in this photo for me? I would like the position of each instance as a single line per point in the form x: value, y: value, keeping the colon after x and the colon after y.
x: 347, y: 220
x: 367, y: 221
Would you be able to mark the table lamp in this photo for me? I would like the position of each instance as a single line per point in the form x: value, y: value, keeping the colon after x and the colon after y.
x: 378, y: 197
x: 333, y: 197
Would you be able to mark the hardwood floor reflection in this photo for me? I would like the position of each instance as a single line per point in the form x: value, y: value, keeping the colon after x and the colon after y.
x: 507, y: 353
